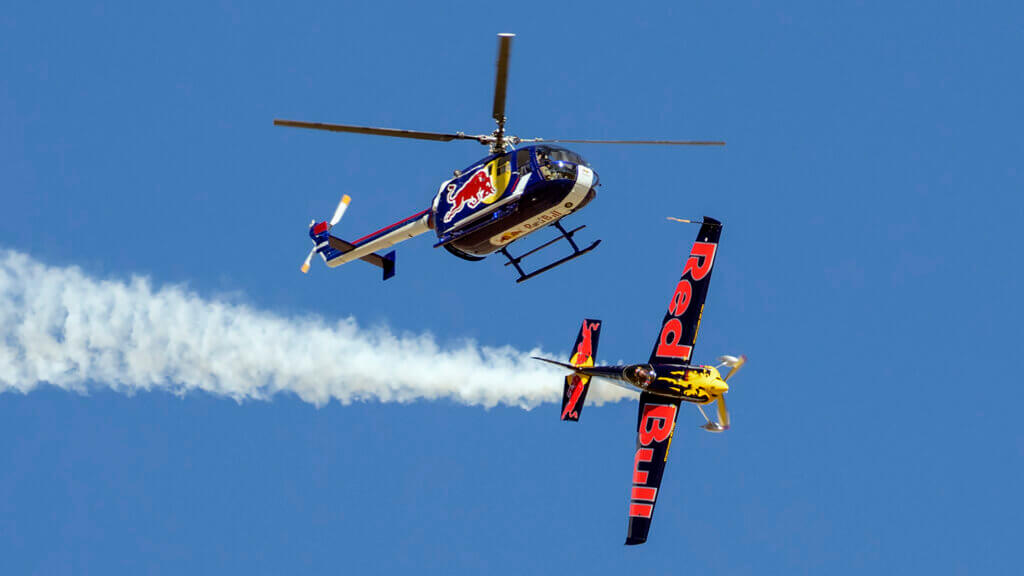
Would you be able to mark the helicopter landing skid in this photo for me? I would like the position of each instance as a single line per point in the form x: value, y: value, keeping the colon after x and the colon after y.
x: 576, y: 253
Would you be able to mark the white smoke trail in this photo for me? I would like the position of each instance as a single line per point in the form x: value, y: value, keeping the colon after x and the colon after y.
x: 61, y: 327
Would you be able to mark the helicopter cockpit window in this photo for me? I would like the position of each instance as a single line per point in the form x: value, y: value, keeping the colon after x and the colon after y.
x: 523, y: 161
x: 558, y: 163
x: 501, y: 173
x: 558, y: 171
x: 503, y: 167
x: 563, y: 155
x: 559, y: 155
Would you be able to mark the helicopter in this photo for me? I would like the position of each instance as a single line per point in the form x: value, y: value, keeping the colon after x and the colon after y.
x: 666, y: 381
x: 494, y: 202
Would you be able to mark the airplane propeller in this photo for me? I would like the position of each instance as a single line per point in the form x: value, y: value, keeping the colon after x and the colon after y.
x: 723, y: 412
x: 723, y: 416
x: 734, y: 365
x: 338, y: 213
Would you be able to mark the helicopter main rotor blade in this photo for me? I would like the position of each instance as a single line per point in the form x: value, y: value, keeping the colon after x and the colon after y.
x: 655, y: 142
x: 501, y: 82
x: 415, y: 134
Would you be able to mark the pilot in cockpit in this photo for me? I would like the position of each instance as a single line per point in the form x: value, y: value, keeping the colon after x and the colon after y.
x: 545, y: 165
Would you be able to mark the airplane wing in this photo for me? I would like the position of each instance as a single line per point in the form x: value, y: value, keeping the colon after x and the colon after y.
x: 655, y: 423
x: 682, y: 319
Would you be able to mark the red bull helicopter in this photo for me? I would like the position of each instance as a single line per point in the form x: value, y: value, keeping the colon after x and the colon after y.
x: 487, y: 206
x: 664, y: 382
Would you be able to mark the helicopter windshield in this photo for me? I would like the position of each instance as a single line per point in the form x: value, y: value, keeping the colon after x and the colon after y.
x: 559, y: 155
x: 558, y: 163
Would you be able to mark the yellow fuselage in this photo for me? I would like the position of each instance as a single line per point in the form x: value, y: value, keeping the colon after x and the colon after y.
x: 697, y: 384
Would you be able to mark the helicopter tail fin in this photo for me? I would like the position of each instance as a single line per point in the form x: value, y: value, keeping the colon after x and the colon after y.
x: 574, y: 391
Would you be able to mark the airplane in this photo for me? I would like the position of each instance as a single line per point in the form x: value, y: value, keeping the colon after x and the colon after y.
x: 486, y: 206
x: 664, y: 382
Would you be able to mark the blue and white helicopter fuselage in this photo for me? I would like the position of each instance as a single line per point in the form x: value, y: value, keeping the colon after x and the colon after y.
x: 484, y: 208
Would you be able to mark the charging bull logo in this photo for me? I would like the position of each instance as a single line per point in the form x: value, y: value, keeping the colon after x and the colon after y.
x: 583, y: 356
x: 574, y: 392
x: 585, y: 351
x: 477, y: 189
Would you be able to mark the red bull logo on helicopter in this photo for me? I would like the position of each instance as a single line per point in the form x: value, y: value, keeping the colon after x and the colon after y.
x: 475, y: 190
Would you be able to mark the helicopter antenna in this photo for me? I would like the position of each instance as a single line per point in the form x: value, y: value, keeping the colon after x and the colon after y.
x: 500, y: 87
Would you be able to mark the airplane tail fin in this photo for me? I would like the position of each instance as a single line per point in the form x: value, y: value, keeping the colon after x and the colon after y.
x: 574, y: 391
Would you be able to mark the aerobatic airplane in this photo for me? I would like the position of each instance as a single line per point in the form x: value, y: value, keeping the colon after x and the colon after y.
x: 664, y: 382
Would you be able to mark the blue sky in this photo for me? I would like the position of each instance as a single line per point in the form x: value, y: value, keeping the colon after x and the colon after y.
x: 869, y: 268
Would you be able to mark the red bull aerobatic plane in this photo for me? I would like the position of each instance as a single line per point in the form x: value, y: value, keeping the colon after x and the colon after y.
x: 664, y: 382
x: 494, y: 202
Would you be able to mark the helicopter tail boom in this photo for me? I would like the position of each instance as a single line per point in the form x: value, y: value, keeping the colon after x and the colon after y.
x: 336, y: 251
x: 342, y: 248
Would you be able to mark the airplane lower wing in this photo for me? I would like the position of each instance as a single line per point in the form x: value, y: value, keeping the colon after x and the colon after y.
x: 655, y: 423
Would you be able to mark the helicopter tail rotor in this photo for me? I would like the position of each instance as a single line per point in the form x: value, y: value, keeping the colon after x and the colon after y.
x: 322, y: 228
x: 305, y: 263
